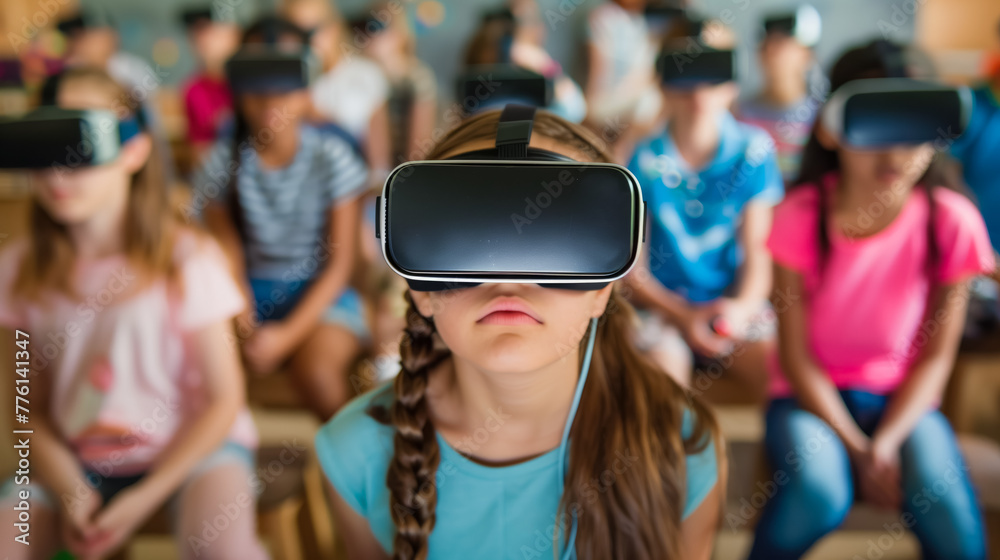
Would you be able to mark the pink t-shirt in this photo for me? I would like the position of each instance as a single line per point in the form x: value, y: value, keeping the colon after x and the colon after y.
x: 207, y: 103
x: 866, y: 321
x: 123, y: 378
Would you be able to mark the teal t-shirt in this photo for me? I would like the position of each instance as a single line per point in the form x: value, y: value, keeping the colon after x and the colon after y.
x: 488, y: 513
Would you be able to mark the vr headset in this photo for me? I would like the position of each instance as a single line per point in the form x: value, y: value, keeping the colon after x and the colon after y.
x: 804, y: 25
x: 91, y: 18
x: 192, y: 17
x: 494, y: 86
x: 683, y: 68
x: 883, y: 112
x: 53, y: 136
x: 268, y: 69
x: 510, y: 214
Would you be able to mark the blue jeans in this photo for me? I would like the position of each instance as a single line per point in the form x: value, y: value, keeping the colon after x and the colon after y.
x: 816, y: 488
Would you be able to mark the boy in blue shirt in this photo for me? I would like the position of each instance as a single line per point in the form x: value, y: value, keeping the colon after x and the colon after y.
x: 710, y: 183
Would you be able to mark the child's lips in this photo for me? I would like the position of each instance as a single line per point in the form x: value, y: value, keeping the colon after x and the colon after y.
x: 509, y: 311
x: 508, y: 318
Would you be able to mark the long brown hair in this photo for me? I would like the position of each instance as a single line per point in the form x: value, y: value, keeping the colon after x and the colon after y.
x: 150, y: 224
x: 877, y: 59
x: 628, y: 406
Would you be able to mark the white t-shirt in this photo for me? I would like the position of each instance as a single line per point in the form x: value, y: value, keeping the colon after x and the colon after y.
x: 624, y: 42
x: 350, y: 93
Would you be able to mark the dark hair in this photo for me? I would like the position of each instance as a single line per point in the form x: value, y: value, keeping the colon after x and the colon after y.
x: 877, y: 59
x: 270, y: 29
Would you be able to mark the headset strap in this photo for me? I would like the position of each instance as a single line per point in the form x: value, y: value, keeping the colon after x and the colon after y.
x: 514, y: 131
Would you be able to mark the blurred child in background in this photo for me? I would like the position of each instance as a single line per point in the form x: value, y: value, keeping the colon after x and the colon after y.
x: 621, y: 87
x: 710, y: 182
x: 289, y: 219
x: 412, y: 99
x: 92, y: 41
x: 144, y: 400
x: 207, y: 100
x: 352, y: 92
x: 785, y: 107
x: 869, y: 341
x: 504, y: 38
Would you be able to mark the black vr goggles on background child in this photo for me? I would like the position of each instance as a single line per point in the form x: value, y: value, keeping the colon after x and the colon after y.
x: 270, y: 69
x: 510, y: 214
x: 493, y: 86
x: 883, y: 112
x: 688, y: 65
x: 55, y: 137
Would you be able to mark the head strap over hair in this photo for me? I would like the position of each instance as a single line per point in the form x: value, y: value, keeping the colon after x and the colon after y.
x: 514, y: 131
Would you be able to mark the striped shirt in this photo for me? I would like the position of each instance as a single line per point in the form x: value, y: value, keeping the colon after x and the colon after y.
x: 285, y: 212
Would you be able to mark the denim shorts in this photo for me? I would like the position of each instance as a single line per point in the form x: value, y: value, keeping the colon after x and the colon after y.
x: 275, y: 299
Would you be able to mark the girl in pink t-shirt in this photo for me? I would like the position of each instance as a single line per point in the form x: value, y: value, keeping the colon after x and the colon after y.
x: 136, y: 390
x: 872, y: 255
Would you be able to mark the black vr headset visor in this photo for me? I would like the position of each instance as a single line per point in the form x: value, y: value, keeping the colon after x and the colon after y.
x: 486, y: 87
x: 57, y: 137
x: 514, y: 214
x: 682, y: 67
x: 880, y: 113
x: 268, y: 69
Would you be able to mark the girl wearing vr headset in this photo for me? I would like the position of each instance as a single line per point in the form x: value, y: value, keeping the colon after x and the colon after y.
x: 876, y: 252
x: 461, y: 457
x: 139, y: 398
x: 282, y: 197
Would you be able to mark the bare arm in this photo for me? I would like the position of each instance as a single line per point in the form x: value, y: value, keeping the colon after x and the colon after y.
x: 377, y: 145
x: 756, y: 274
x: 357, y: 534
x: 421, y: 128
x: 699, y: 529
x: 813, y: 388
x: 925, y: 384
x: 335, y: 275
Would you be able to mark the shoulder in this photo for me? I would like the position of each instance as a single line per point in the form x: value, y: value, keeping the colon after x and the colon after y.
x: 354, y: 448
x: 962, y: 236
x: 954, y: 207
x: 208, y: 291
x: 701, y: 466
